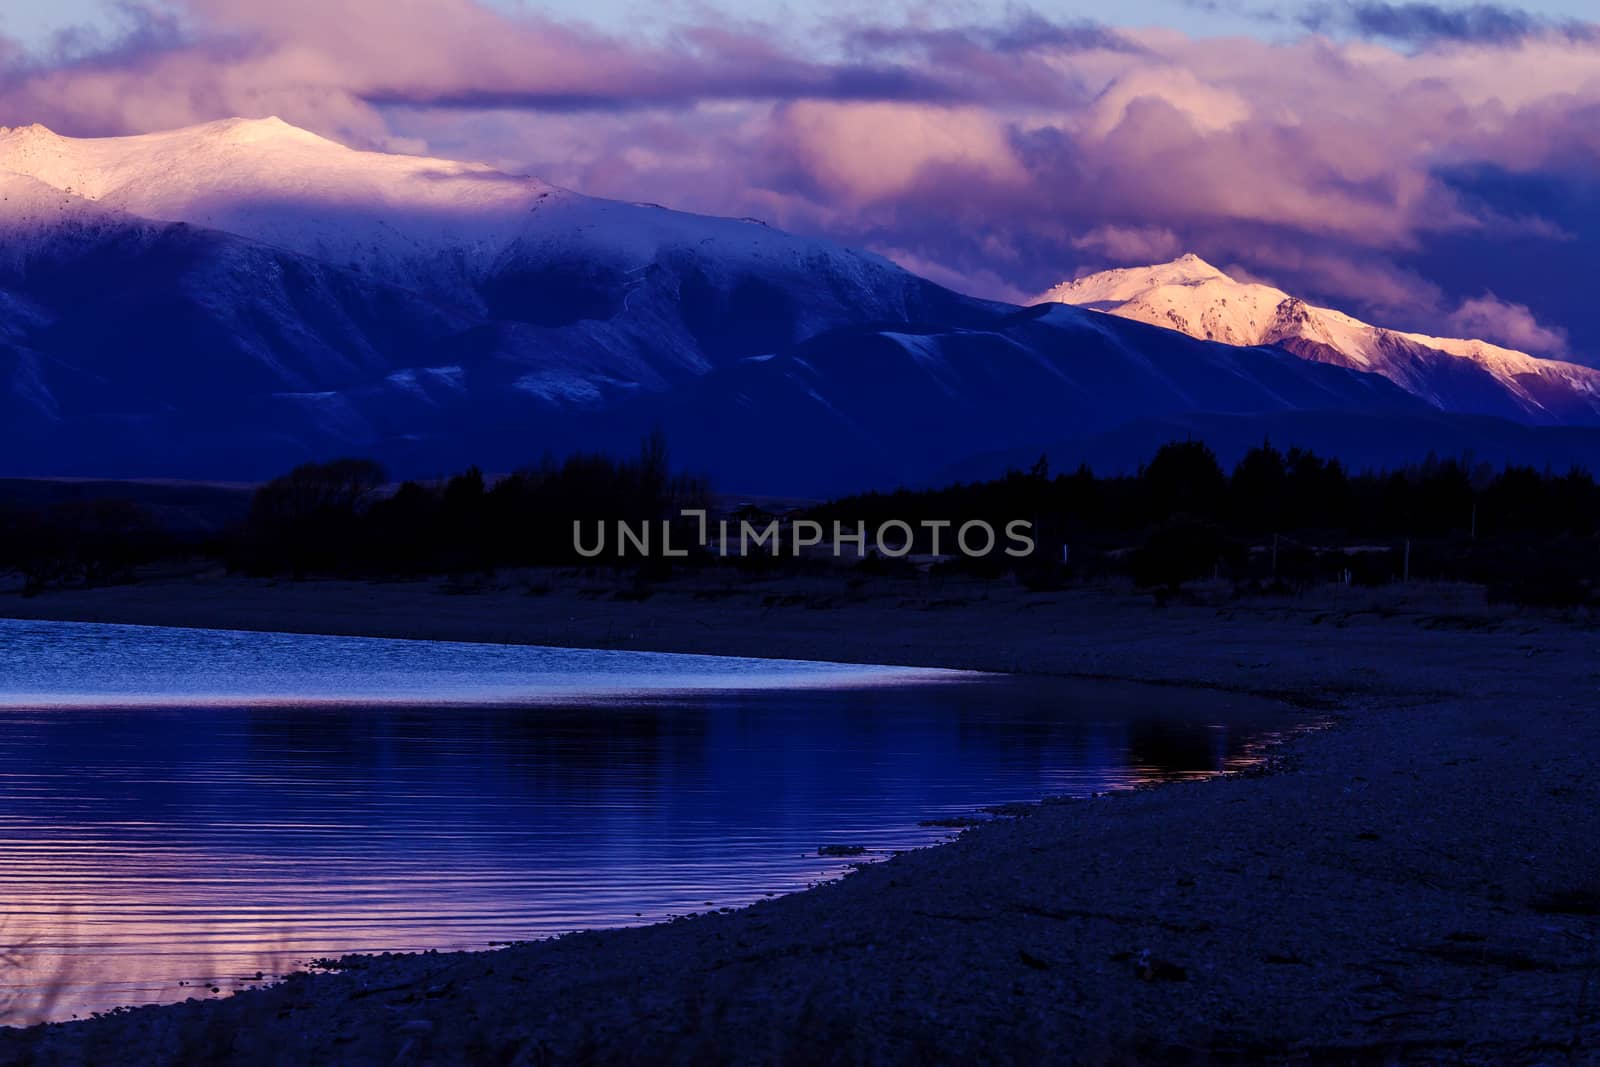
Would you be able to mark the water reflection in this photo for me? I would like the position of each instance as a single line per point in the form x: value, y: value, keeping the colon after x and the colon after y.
x: 197, y: 843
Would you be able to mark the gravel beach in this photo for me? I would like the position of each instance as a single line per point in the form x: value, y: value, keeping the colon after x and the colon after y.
x: 1417, y: 882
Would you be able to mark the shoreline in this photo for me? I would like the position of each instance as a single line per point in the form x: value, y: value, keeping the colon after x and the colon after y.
x: 1416, y: 881
x: 945, y: 624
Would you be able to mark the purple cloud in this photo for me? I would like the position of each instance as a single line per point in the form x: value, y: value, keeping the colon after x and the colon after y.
x: 1431, y: 24
x: 1510, y: 324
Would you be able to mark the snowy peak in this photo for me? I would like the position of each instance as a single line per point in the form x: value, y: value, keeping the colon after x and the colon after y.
x: 169, y: 172
x: 1187, y: 294
x: 272, y: 182
x: 1187, y: 269
x: 245, y: 130
x: 1194, y: 297
x: 1125, y: 283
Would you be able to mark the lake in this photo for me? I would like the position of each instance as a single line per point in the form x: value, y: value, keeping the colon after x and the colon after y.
x: 184, y: 810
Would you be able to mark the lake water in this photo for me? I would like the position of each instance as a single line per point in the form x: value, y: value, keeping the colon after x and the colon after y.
x: 187, y: 809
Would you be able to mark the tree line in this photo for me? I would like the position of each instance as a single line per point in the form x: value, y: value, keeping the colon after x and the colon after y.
x: 337, y: 518
x: 1280, y: 519
x: 1288, y: 518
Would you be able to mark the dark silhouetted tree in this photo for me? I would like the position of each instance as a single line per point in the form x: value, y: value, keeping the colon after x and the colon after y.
x: 1259, y: 490
x: 308, y: 518
x: 1184, y: 478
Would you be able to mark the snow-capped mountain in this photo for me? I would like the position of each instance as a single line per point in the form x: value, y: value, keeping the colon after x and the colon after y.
x: 508, y: 245
x: 228, y: 300
x: 1194, y: 297
x: 275, y: 183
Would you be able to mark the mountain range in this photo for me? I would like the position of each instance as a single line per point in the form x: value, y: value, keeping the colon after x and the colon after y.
x: 226, y: 300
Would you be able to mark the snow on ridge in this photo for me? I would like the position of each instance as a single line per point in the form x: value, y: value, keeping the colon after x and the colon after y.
x: 925, y: 352
x: 1187, y: 294
x: 162, y: 175
x: 34, y: 214
x: 418, y: 221
x: 557, y: 388
x: 1195, y: 298
x: 269, y: 181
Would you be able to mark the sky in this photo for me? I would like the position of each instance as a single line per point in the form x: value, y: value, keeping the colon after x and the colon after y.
x: 1430, y: 166
x: 34, y: 22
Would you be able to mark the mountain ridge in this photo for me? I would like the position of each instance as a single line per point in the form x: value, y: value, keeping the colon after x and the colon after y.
x: 1466, y: 376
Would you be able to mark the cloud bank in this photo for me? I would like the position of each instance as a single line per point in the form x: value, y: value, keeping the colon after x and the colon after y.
x: 1364, y: 159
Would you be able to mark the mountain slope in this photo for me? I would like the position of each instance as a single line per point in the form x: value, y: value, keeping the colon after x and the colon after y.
x: 873, y: 406
x: 501, y: 246
x: 1192, y: 296
x: 231, y: 299
x: 114, y: 323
